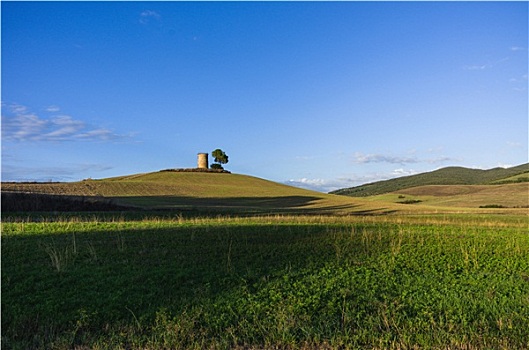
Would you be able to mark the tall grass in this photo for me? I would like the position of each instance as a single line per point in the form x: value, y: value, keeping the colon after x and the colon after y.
x: 60, y: 256
x: 393, y: 282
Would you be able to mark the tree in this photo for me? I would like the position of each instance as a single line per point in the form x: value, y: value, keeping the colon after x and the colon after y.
x: 219, y: 157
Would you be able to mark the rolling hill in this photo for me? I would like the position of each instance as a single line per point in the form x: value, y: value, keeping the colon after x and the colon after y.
x: 444, y: 176
x: 512, y: 195
x: 242, y: 194
x: 185, y: 191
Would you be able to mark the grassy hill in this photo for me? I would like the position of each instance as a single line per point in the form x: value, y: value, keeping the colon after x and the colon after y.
x: 445, y: 176
x: 241, y: 194
x: 511, y: 195
x: 217, y: 192
x: 523, y: 177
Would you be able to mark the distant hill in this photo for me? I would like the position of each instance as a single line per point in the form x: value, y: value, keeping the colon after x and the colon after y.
x: 509, y: 195
x: 444, y: 176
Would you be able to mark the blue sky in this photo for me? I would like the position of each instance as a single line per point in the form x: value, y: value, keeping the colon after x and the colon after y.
x: 322, y: 95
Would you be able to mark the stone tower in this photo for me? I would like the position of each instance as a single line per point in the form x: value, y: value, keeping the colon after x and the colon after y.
x: 202, y: 162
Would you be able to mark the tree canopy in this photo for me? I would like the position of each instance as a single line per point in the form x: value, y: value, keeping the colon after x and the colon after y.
x: 220, y: 157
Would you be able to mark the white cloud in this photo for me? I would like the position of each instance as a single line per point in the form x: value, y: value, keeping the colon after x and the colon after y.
x: 21, y: 125
x: 147, y: 15
x: 150, y: 13
x: 53, y: 109
x: 403, y: 172
x: 61, y: 127
x: 518, y: 48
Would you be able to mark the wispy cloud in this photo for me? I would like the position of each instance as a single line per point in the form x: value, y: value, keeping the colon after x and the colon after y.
x: 53, y: 109
x: 403, y: 172
x: 321, y: 185
x: 67, y: 172
x: 442, y: 159
x: 520, y: 83
x: 21, y: 127
x: 16, y: 108
x: 478, y: 67
x: 484, y: 65
x: 19, y: 124
x: 514, y: 144
x: 329, y: 185
x: 148, y: 15
x: 361, y: 158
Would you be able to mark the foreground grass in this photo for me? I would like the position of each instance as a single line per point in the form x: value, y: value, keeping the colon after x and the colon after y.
x: 288, y: 282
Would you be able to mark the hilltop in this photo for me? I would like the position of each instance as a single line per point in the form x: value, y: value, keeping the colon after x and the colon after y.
x: 444, y: 176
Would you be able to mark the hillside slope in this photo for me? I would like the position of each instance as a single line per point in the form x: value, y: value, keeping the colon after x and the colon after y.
x: 444, y: 176
x: 204, y: 191
x: 511, y: 195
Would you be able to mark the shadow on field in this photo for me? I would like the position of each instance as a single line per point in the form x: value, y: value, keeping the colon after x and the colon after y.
x: 17, y: 202
x: 283, y: 205
x: 28, y: 202
x: 246, y: 284
x: 95, y: 279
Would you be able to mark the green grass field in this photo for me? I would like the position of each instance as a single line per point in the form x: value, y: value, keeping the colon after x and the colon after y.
x: 222, y: 261
x: 138, y: 281
x: 524, y: 177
